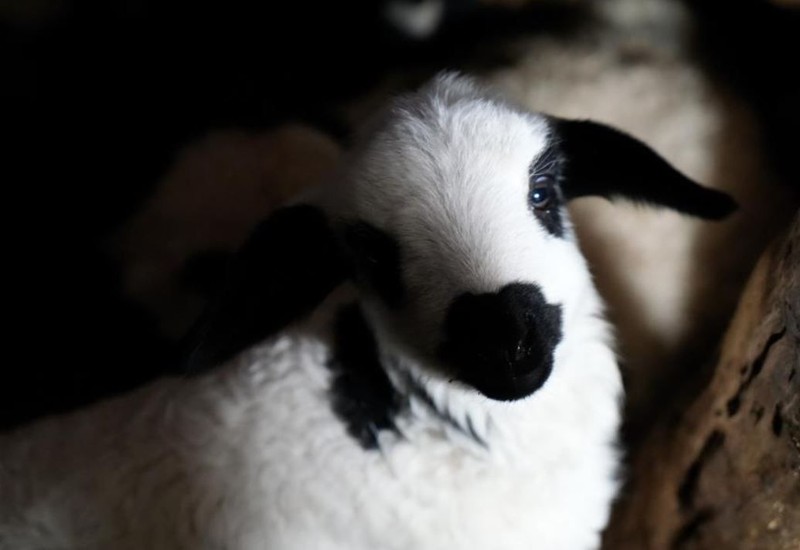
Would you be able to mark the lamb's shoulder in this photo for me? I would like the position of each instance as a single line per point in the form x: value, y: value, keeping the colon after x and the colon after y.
x: 254, y: 454
x: 540, y: 455
x: 161, y: 463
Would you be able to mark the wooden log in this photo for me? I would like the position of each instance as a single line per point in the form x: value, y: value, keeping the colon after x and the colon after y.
x: 724, y: 472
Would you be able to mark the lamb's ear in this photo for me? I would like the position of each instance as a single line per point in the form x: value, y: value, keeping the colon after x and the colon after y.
x: 599, y: 160
x: 288, y: 265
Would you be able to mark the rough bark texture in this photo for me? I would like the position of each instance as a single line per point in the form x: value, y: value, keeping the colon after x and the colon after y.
x: 725, y: 472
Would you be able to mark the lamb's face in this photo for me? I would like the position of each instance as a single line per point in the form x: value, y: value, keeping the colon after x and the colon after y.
x: 460, y: 240
x: 451, y: 220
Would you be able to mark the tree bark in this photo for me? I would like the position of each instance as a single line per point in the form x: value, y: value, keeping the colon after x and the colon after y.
x: 724, y: 472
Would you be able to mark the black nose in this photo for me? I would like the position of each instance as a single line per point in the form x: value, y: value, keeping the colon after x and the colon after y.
x: 502, y: 343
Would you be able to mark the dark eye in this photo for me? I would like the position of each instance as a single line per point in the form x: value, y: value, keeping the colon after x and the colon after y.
x: 542, y: 192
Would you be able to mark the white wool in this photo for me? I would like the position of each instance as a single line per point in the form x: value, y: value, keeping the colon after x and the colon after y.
x: 252, y: 455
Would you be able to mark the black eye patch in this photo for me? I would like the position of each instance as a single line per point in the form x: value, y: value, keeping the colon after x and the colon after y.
x: 544, y: 194
x: 362, y: 395
x: 376, y: 262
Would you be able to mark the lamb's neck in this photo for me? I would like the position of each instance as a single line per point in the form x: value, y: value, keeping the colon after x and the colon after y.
x: 457, y: 412
x: 381, y: 393
x: 441, y: 408
x: 434, y: 405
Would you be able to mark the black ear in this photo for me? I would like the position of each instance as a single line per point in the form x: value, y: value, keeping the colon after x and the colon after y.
x: 285, y: 269
x: 599, y: 160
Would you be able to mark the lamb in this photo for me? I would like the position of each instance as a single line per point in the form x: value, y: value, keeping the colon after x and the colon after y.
x: 413, y: 357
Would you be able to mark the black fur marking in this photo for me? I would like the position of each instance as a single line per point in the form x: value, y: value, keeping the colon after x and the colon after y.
x: 552, y: 220
x: 502, y: 343
x: 472, y: 432
x: 549, y: 163
x: 288, y: 265
x: 376, y: 261
x: 362, y: 395
x: 602, y: 161
x: 688, y: 487
x: 469, y: 429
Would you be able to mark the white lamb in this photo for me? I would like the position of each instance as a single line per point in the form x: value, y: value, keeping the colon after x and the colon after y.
x: 415, y: 357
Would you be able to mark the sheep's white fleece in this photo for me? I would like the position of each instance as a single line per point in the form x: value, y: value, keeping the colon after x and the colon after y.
x: 252, y: 457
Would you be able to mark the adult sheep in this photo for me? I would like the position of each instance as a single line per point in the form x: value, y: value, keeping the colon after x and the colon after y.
x: 415, y: 357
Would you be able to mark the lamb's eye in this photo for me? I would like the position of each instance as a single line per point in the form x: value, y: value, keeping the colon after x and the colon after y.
x: 543, y: 191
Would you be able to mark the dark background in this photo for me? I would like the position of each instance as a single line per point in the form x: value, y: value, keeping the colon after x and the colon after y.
x: 98, y: 98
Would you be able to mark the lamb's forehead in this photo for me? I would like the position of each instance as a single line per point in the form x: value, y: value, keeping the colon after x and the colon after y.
x: 447, y: 138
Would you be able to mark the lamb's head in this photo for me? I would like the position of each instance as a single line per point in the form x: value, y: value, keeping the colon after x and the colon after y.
x: 450, y: 219
x: 456, y: 228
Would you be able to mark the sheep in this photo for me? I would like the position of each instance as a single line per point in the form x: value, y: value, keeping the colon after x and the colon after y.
x: 414, y: 357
